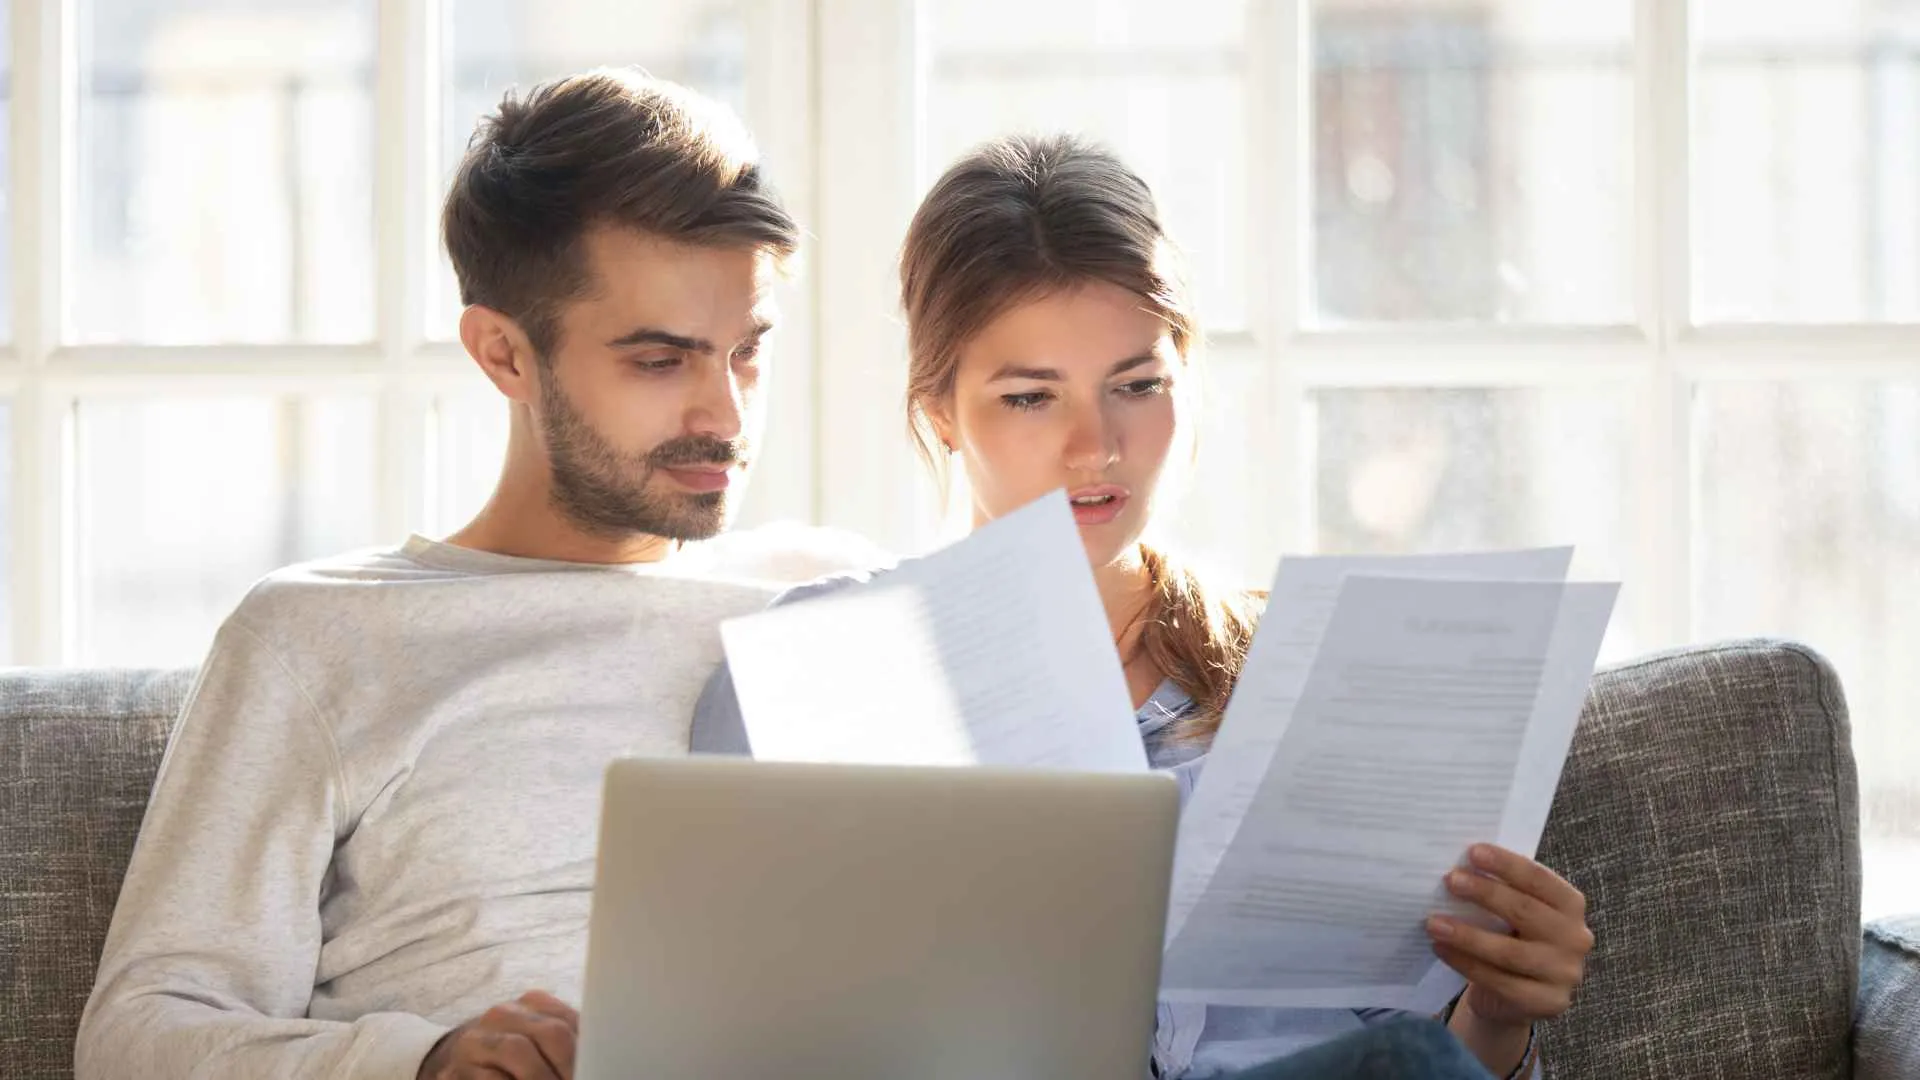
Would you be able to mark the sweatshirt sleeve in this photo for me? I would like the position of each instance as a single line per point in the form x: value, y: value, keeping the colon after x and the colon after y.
x: 208, y: 967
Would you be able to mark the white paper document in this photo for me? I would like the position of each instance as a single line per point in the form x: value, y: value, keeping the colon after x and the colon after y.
x: 1305, y: 589
x: 1433, y: 714
x: 990, y: 652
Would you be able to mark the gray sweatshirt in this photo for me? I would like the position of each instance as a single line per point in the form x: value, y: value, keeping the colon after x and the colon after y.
x: 377, y: 816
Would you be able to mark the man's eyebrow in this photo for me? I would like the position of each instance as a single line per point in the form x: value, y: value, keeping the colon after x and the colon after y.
x: 648, y: 335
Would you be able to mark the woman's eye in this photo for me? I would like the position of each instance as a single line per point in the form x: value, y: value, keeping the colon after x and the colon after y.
x: 1033, y: 399
x: 1145, y: 387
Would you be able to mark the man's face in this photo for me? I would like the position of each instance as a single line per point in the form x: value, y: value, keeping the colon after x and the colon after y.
x: 649, y: 404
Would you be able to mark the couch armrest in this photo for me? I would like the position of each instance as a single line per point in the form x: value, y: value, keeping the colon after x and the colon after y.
x: 1886, y: 1035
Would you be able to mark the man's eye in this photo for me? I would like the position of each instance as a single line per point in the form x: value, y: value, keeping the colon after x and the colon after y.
x: 658, y: 363
x: 746, y: 354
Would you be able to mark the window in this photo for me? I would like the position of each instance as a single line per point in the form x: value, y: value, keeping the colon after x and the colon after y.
x: 225, y: 172
x: 1643, y: 277
x: 1450, y: 183
x: 1807, y: 152
x: 6, y: 158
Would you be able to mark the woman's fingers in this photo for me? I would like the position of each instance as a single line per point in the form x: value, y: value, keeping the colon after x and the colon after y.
x: 1532, y: 919
x: 1505, y: 953
x: 1530, y: 878
x: 1529, y: 997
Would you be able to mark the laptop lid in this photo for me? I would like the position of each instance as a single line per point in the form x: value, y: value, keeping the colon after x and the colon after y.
x: 757, y: 919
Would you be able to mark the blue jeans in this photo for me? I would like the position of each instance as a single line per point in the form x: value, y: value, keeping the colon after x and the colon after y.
x: 1412, y: 1049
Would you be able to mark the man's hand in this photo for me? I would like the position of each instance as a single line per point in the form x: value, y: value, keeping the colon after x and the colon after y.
x: 529, y: 1039
x: 1527, y: 975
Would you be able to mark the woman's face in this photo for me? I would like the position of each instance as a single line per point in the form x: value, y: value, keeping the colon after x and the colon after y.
x: 1072, y: 390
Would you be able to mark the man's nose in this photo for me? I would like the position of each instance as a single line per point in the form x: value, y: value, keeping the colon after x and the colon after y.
x: 718, y: 409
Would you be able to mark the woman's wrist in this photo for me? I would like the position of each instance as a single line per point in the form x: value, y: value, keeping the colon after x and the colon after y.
x: 1506, y: 1049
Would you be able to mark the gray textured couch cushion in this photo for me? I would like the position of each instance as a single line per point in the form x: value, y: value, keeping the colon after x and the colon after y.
x: 77, y: 757
x: 1888, y: 1017
x: 1709, y: 811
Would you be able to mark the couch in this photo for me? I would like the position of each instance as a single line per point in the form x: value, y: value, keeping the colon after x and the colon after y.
x: 1708, y: 810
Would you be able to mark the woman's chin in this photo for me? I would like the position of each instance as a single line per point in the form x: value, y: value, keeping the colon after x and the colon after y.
x: 1109, y: 543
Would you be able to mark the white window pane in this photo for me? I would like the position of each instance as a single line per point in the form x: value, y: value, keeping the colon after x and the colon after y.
x: 1472, y: 163
x: 225, y: 172
x: 183, y: 504
x: 6, y: 146
x: 1409, y: 471
x: 467, y: 448
x: 1808, y: 527
x: 497, y: 45
x: 1165, y: 92
x: 1807, y: 161
x: 6, y: 532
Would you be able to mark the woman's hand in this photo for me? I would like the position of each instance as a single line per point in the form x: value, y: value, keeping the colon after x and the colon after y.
x: 1530, y: 974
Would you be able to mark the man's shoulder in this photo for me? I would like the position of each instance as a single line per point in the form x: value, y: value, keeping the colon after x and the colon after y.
x: 330, y: 589
x: 360, y: 564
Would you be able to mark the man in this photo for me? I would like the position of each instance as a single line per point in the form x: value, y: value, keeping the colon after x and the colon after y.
x: 370, y: 846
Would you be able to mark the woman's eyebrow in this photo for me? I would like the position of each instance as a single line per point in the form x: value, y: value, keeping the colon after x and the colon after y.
x: 1039, y: 374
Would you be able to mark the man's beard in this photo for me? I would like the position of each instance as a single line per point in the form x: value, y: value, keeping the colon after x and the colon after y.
x: 609, y: 493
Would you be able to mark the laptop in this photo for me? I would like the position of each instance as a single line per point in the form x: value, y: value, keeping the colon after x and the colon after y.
x: 757, y: 919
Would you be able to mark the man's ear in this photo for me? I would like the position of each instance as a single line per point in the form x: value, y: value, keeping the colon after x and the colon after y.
x: 500, y: 347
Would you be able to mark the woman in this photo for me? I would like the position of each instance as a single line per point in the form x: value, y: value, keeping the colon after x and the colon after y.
x: 1052, y: 344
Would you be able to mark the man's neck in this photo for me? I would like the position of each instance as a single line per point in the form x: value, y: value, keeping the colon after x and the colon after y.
x: 526, y: 524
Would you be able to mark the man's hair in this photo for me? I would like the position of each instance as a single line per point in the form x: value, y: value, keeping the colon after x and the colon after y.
x: 609, y: 147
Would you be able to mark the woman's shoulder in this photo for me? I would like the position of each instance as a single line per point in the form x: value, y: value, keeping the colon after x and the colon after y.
x: 786, y: 553
x: 833, y: 583
x: 718, y: 725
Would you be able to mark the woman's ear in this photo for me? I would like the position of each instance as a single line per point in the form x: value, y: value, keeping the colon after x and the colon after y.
x: 939, y: 416
x: 500, y: 347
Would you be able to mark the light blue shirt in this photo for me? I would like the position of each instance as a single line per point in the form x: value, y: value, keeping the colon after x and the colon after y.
x: 1190, y: 1041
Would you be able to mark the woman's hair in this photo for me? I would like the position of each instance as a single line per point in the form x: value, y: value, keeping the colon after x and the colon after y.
x: 1025, y: 217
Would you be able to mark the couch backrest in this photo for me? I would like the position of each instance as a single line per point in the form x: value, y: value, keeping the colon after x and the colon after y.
x: 1708, y: 810
x: 78, y: 752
